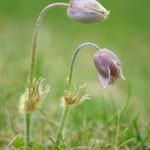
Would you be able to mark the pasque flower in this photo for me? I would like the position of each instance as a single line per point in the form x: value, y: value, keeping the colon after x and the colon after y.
x: 108, y: 66
x: 87, y: 11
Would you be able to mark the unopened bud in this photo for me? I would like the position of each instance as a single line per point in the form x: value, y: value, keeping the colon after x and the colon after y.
x: 108, y: 66
x: 76, y: 96
x: 31, y: 99
x: 87, y: 11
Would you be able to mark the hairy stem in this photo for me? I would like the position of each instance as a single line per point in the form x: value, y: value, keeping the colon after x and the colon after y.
x: 61, y: 126
x: 35, y: 36
x: 69, y: 88
x: 31, y: 75
x: 27, y: 130
x: 73, y: 61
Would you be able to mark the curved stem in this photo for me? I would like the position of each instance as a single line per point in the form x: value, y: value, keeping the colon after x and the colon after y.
x: 31, y: 75
x: 73, y: 61
x: 69, y: 88
x: 35, y: 36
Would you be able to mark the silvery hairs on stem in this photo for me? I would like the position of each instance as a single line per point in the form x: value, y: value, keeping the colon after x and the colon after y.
x: 109, y: 70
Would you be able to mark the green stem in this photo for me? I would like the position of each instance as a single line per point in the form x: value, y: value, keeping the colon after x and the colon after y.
x: 69, y: 88
x: 27, y: 130
x: 61, y: 126
x: 73, y: 61
x: 35, y: 36
x: 31, y: 75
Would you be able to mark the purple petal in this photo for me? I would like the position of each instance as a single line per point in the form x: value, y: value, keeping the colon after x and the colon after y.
x: 102, y: 64
x: 122, y: 76
x: 103, y: 80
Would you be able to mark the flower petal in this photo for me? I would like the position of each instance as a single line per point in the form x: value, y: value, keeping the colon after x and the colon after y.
x: 105, y: 80
x: 122, y: 76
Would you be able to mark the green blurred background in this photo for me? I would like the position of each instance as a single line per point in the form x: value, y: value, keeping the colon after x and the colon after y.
x: 126, y: 32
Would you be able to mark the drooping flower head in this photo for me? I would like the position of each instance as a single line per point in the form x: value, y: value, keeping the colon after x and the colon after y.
x: 108, y: 66
x: 87, y: 11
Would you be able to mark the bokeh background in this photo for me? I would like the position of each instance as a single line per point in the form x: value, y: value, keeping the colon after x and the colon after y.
x: 126, y: 32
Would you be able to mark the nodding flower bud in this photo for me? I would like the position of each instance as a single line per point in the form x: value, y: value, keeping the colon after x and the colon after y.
x: 87, y: 11
x: 76, y: 96
x: 31, y: 99
x: 108, y: 66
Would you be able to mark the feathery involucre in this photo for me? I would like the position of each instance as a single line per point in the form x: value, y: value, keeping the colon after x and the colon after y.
x: 76, y: 96
x: 31, y: 99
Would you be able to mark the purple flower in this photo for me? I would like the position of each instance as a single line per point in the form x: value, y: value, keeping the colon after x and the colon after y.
x: 87, y: 11
x: 108, y: 66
